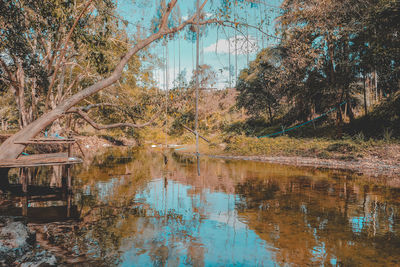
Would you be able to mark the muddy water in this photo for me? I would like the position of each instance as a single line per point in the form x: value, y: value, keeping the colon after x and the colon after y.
x: 143, y: 208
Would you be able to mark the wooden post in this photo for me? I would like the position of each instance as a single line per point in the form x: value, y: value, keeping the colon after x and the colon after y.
x: 69, y: 146
x: 69, y: 205
x: 66, y: 179
x: 69, y: 178
x: 4, y: 178
x: 64, y: 175
x: 24, y: 202
x: 24, y: 180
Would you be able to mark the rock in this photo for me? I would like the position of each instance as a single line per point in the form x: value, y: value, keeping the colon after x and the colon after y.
x: 42, y: 258
x: 17, y: 245
x: 15, y: 239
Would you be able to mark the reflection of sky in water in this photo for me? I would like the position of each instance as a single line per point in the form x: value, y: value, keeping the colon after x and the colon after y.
x: 358, y: 223
x: 208, y: 233
x: 103, y: 190
x: 270, y: 221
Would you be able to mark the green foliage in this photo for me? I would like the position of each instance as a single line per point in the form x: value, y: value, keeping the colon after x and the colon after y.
x: 33, y: 34
x: 382, y: 122
x: 258, y: 85
x: 185, y: 118
x: 250, y: 127
x: 342, y: 147
x: 326, y: 53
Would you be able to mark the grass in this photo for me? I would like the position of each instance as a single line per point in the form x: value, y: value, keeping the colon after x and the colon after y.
x: 343, y: 149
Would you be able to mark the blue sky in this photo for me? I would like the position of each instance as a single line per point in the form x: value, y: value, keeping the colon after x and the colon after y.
x: 209, y: 222
x: 214, y: 44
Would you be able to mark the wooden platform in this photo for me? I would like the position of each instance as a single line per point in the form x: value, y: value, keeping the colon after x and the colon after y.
x: 40, y: 160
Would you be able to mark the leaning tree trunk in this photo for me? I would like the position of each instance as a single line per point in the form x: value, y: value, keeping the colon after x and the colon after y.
x: 9, y: 149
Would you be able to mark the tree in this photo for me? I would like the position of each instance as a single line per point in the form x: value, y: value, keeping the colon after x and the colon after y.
x: 377, y: 45
x: 7, y: 111
x: 50, y: 51
x: 317, y: 38
x: 258, y: 86
x: 11, y: 150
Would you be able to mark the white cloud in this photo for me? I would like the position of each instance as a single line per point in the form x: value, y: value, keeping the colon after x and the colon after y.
x: 242, y: 44
x: 206, y: 15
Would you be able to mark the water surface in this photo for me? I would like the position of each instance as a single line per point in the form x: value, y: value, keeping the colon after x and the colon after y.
x: 145, y: 208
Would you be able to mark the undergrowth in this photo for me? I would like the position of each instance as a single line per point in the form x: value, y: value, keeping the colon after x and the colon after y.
x: 344, y: 149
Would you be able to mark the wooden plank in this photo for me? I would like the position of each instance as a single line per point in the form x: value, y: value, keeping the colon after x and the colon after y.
x: 47, y: 141
x: 42, y: 156
x: 53, y: 139
x: 40, y: 160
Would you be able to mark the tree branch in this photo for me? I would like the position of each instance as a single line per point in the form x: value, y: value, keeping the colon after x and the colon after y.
x: 97, y: 126
x: 9, y: 149
x: 164, y: 19
x: 88, y: 107
x: 10, y: 76
x: 64, y: 50
x: 193, y: 132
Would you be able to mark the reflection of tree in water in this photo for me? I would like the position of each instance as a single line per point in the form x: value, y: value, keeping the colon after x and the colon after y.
x: 307, y: 217
x: 319, y: 222
x: 255, y: 192
x: 108, y: 224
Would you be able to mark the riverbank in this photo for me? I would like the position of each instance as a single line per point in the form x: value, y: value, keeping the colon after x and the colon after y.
x: 372, y: 157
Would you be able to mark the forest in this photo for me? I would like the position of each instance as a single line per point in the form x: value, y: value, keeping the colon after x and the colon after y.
x: 331, y: 71
x: 199, y: 133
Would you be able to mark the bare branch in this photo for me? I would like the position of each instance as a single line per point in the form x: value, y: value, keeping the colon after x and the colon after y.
x: 193, y: 132
x: 97, y: 126
x: 88, y: 107
x: 71, y: 86
x: 64, y: 50
x: 164, y: 19
x: 10, y: 76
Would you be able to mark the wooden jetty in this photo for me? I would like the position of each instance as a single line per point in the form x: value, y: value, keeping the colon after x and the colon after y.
x: 36, y: 202
x: 37, y: 160
x: 42, y: 210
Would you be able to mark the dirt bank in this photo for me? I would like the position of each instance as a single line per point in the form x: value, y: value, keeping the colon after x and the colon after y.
x: 369, y: 167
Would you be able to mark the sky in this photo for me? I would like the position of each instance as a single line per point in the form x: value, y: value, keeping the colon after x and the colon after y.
x: 217, y: 45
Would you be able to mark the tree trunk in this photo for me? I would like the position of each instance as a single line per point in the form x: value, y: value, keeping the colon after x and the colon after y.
x: 20, y: 95
x: 351, y: 113
x: 339, y: 122
x: 365, y: 97
x: 376, y: 85
x: 270, y: 114
x: 348, y: 108
x: 9, y: 149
